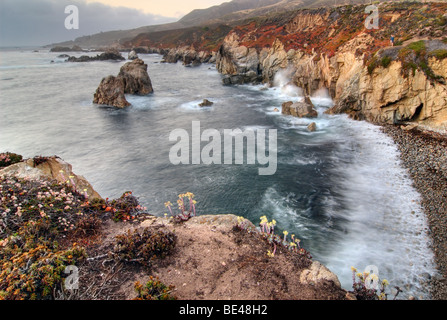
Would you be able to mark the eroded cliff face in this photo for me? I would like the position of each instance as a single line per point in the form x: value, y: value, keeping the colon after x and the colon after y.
x: 387, y: 93
x: 389, y: 96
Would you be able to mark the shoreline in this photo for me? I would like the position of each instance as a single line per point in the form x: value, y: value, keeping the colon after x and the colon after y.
x: 423, y: 154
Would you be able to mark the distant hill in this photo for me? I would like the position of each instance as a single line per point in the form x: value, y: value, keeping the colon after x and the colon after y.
x: 228, y: 13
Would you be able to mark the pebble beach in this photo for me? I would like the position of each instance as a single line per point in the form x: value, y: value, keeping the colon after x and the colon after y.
x: 424, y: 154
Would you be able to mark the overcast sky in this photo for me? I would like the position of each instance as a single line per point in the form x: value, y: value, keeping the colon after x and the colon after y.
x: 41, y: 22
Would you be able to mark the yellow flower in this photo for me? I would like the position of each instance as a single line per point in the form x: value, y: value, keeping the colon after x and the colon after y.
x: 353, y: 269
x: 168, y: 204
x: 374, y: 277
x: 286, y: 233
x: 385, y: 282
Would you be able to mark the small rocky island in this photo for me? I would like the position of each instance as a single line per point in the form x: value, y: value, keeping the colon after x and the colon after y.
x: 111, y: 54
x: 133, y: 78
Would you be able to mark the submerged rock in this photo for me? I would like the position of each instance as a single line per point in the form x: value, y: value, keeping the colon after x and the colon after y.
x: 304, y: 109
x: 206, y: 103
x: 312, y: 127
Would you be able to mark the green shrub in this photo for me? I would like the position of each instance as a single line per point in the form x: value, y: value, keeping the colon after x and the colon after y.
x: 154, y: 289
x: 385, y: 62
x: 417, y: 47
x: 144, y: 246
x: 439, y: 54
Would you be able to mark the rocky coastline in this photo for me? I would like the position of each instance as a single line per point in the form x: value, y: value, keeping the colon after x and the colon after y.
x: 424, y: 154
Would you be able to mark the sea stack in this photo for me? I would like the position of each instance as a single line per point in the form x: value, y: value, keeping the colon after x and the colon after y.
x: 132, y: 79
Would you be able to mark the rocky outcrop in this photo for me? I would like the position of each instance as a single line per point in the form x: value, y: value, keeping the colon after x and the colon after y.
x: 132, y: 79
x: 188, y: 56
x: 66, y: 49
x: 135, y: 78
x: 238, y: 63
x: 111, y: 92
x: 111, y: 54
x: 50, y: 168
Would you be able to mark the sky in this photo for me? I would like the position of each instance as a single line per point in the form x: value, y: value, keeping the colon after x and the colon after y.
x: 42, y: 22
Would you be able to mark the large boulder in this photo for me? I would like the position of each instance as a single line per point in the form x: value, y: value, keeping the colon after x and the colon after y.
x: 135, y: 78
x: 111, y: 92
x: 303, y: 109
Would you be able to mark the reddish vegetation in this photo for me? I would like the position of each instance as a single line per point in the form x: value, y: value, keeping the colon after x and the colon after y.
x: 325, y: 30
x: 321, y: 30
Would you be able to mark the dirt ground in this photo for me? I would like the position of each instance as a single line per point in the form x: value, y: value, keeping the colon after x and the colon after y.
x: 212, y: 260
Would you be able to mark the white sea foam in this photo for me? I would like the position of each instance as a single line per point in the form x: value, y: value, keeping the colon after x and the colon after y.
x: 386, y: 225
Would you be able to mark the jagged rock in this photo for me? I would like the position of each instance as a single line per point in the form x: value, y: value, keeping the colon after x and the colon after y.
x: 300, y: 109
x: 132, y: 79
x: 111, y: 92
x: 312, y: 127
x: 66, y: 49
x: 206, y: 103
x: 132, y: 55
x: 51, y: 168
x: 111, y: 54
x: 135, y: 78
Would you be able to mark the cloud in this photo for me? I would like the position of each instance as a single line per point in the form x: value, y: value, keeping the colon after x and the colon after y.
x: 41, y: 22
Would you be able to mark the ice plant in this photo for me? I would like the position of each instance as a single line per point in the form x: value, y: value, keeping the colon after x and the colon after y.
x: 285, y: 236
x: 184, y: 215
x: 169, y: 205
x: 364, y: 288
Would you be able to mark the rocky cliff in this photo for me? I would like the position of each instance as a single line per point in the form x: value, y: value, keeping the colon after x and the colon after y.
x: 332, y: 48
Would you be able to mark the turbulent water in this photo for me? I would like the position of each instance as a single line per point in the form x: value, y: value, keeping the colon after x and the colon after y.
x: 341, y: 190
